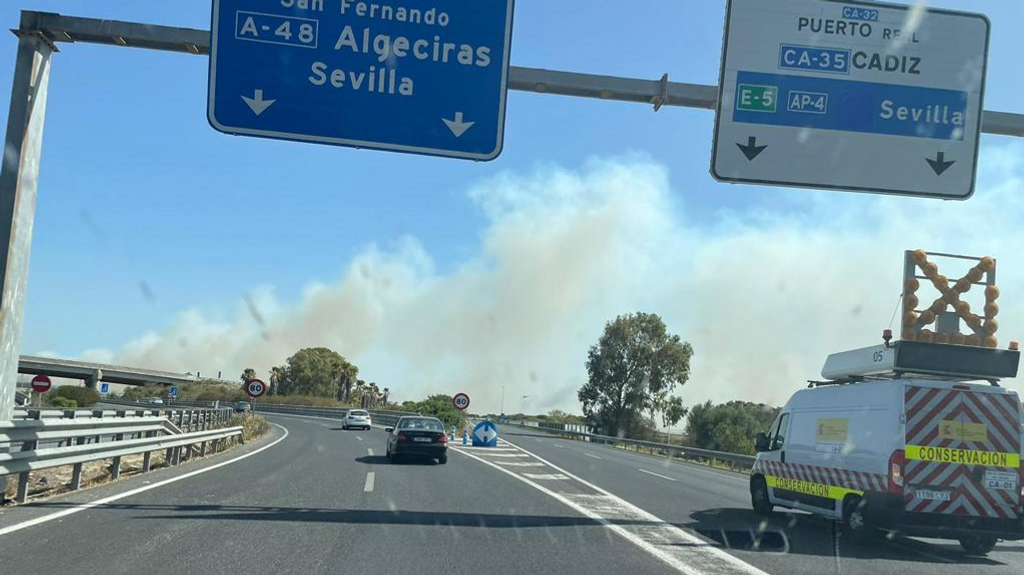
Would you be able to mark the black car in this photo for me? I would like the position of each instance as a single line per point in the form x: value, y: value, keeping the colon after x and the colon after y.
x: 418, y: 436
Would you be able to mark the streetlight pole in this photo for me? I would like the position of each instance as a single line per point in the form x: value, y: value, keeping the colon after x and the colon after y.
x: 502, y: 412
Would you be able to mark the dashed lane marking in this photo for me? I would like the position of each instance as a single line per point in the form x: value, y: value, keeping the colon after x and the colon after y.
x: 656, y: 474
x: 368, y: 486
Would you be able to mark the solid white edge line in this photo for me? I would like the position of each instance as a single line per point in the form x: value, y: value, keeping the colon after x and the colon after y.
x: 368, y: 486
x: 657, y: 474
x: 137, y: 490
x: 735, y: 561
x: 618, y: 529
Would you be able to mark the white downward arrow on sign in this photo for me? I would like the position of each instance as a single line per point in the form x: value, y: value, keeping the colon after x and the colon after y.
x: 458, y: 127
x: 257, y: 104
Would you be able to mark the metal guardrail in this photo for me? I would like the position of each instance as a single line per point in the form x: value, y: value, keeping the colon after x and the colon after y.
x: 380, y: 417
x: 84, y: 436
x: 681, y: 451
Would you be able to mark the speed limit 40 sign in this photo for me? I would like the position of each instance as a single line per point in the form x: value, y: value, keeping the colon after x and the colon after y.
x: 460, y: 401
x: 255, y: 388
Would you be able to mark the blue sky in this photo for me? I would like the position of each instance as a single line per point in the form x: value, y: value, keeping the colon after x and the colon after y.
x: 137, y: 190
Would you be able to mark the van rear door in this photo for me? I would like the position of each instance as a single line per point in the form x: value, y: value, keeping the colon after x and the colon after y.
x: 962, y: 449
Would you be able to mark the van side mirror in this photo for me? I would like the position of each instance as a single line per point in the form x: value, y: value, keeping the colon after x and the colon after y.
x: 388, y: 429
x: 761, y: 441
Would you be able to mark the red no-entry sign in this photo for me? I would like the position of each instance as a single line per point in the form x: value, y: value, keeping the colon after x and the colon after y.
x: 41, y: 383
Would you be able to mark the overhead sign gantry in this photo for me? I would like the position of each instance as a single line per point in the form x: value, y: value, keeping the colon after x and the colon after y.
x: 389, y: 75
x: 851, y: 95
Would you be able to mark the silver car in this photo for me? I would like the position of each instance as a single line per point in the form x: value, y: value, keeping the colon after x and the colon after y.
x: 356, y: 418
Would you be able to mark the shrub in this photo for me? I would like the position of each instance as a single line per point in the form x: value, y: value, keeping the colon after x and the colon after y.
x: 253, y: 425
x: 63, y: 403
x: 81, y: 396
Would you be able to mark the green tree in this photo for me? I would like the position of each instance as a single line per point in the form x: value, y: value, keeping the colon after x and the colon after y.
x: 248, y: 374
x: 440, y: 406
x: 313, y: 371
x: 82, y: 396
x: 631, y: 369
x: 559, y: 416
x: 346, y: 379
x: 275, y: 379
x: 673, y: 411
x: 729, y: 426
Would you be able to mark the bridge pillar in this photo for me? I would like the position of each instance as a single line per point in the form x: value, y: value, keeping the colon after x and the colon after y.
x: 93, y: 381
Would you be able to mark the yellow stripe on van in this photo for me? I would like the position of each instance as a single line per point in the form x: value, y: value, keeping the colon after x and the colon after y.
x: 810, y: 488
x: 963, y: 456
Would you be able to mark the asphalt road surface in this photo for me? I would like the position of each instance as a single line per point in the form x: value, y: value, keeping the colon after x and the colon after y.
x: 323, y: 500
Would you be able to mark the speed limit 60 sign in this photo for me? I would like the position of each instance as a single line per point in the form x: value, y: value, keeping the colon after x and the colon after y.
x: 255, y: 388
x: 460, y: 401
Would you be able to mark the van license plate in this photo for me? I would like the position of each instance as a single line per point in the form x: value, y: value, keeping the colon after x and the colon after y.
x: 1004, y: 480
x: 932, y: 495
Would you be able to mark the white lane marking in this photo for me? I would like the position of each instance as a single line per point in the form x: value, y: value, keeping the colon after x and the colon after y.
x: 368, y: 486
x: 359, y: 438
x: 137, y: 490
x: 558, y: 445
x: 369, y: 451
x: 592, y: 455
x: 498, y: 449
x: 546, y: 476
x: 672, y: 545
x: 519, y: 464
x: 505, y: 454
x: 656, y: 474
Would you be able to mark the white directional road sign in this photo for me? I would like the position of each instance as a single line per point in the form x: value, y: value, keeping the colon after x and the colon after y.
x: 851, y: 96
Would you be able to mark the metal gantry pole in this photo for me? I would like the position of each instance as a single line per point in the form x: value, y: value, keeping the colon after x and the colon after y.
x: 19, y: 178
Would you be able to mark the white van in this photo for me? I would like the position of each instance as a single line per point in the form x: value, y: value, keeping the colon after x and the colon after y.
x: 878, y: 448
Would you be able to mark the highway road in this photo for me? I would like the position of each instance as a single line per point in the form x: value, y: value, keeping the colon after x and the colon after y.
x: 311, y: 498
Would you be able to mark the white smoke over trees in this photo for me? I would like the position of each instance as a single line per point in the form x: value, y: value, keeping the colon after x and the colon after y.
x: 762, y: 296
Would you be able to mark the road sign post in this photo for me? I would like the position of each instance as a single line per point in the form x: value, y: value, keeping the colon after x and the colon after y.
x: 485, y: 434
x: 427, y: 79
x: 851, y: 96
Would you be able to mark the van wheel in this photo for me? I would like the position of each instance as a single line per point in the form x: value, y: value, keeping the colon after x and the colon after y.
x: 977, y: 544
x: 759, y: 496
x: 854, y: 524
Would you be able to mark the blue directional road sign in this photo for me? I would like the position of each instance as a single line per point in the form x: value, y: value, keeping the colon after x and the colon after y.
x: 485, y: 434
x: 173, y: 391
x: 104, y: 388
x: 419, y: 77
